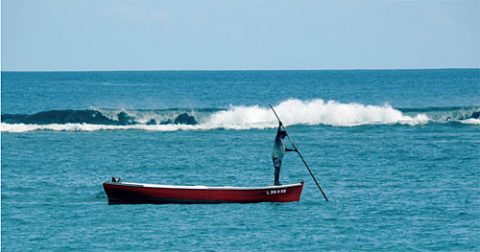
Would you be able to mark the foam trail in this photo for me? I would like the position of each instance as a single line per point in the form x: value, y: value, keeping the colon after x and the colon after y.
x: 292, y: 112
x: 471, y: 121
x: 20, y: 127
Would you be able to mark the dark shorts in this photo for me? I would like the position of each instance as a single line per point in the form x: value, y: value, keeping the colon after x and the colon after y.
x: 277, y: 162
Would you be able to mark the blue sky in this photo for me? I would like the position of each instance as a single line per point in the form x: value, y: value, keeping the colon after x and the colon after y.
x: 219, y: 35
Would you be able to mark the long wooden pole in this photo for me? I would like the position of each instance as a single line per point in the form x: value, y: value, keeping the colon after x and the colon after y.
x: 300, y: 155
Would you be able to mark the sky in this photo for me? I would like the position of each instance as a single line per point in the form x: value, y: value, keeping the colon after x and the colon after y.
x: 55, y: 35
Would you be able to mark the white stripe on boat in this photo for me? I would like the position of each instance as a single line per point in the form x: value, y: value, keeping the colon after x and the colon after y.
x: 201, y: 187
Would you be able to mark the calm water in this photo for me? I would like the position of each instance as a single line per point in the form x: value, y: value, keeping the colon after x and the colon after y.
x: 395, y: 151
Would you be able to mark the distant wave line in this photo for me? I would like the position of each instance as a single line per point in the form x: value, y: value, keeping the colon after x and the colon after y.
x: 292, y: 111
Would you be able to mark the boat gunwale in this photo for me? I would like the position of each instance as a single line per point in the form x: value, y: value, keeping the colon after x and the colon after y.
x: 201, y: 187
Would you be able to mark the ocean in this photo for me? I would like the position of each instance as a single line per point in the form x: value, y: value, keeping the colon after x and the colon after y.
x: 396, y: 151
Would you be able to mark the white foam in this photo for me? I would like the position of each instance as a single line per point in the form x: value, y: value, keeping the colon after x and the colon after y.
x: 472, y: 121
x: 292, y: 112
x: 313, y: 112
x: 20, y: 127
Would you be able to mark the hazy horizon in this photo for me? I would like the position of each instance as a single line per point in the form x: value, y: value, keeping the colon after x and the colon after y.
x: 247, y: 70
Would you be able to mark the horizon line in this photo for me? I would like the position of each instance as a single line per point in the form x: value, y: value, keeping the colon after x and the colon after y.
x: 247, y: 70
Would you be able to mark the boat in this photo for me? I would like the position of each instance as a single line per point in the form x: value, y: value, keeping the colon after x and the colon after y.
x: 119, y: 192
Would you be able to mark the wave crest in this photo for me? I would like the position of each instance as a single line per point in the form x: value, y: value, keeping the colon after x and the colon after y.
x: 292, y: 112
x: 314, y: 112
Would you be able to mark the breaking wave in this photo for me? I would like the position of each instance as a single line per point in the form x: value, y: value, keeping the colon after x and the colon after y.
x: 292, y: 112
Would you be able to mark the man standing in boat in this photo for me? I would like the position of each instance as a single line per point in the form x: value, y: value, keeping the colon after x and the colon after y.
x: 279, y: 150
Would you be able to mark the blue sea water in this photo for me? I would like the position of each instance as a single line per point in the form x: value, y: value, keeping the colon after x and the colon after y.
x: 396, y: 151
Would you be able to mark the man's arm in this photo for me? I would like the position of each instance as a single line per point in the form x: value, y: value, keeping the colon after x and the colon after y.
x: 288, y: 149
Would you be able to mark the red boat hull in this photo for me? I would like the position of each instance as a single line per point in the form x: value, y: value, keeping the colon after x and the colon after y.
x: 133, y: 193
